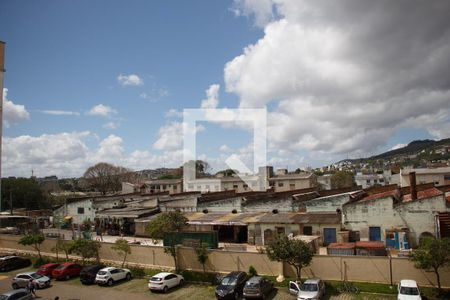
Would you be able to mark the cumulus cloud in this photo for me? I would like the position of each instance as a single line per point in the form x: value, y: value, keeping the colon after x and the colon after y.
x: 129, y: 80
x: 13, y: 113
x: 101, y: 110
x: 170, y: 136
x: 343, y: 77
x: 110, y: 125
x: 261, y: 9
x: 60, y: 112
x: 212, y: 97
x: 174, y: 113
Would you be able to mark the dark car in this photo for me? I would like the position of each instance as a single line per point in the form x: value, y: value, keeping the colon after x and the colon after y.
x: 257, y: 287
x: 8, y: 263
x: 66, y: 271
x: 47, y: 269
x: 20, y: 294
x: 231, y: 285
x: 88, y: 273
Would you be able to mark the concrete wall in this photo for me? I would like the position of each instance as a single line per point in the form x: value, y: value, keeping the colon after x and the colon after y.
x: 322, y: 204
x: 281, y: 204
x: 222, y: 205
x: 374, y: 269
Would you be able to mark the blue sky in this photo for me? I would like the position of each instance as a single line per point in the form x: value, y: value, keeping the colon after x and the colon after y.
x: 68, y: 57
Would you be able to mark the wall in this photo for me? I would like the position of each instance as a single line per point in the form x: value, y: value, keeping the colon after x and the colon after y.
x: 265, y: 205
x: 374, y: 269
x: 222, y: 205
x: 322, y: 204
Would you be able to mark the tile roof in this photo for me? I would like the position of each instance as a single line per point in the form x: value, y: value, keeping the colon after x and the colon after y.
x: 433, y: 192
x: 341, y: 246
x: 370, y: 245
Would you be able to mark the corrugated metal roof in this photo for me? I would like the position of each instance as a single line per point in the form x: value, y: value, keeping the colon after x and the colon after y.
x: 429, y: 193
x: 370, y: 245
x: 341, y: 246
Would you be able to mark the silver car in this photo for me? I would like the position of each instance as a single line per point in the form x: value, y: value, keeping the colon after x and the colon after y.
x: 311, y: 289
x: 20, y: 294
x: 22, y: 279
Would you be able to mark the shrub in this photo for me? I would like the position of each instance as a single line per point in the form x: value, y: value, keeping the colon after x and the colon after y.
x: 137, y: 272
x: 193, y: 276
x: 252, y: 271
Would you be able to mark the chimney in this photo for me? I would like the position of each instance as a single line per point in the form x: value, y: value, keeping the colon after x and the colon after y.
x: 412, y: 185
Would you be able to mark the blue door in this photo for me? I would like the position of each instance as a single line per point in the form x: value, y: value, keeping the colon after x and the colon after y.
x: 329, y: 235
x: 374, y: 234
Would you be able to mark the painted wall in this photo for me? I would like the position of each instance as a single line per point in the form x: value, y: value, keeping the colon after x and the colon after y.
x: 322, y: 204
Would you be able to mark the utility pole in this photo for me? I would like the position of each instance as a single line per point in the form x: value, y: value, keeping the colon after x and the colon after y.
x: 2, y: 71
x: 10, y: 203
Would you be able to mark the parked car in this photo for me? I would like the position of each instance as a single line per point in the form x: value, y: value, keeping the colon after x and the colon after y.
x: 310, y: 289
x: 88, y: 273
x: 47, y: 269
x: 257, y: 287
x: 231, y: 286
x: 111, y: 274
x: 164, y: 281
x: 8, y: 263
x: 66, y: 270
x: 20, y: 294
x: 21, y: 280
x: 408, y: 290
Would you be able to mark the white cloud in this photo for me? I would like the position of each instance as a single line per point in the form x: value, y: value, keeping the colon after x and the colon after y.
x: 225, y: 148
x: 173, y: 113
x: 398, y: 146
x: 170, y: 136
x: 60, y: 112
x: 212, y: 97
x: 260, y: 9
x: 339, y: 76
x: 110, y: 125
x: 101, y: 110
x: 130, y: 80
x: 13, y: 113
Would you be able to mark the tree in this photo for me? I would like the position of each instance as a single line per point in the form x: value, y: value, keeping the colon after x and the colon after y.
x: 122, y: 247
x: 293, y: 252
x: 342, y: 179
x: 202, y: 254
x: 165, y: 224
x: 86, y: 249
x: 227, y: 172
x: 105, y: 177
x: 63, y: 246
x: 25, y: 192
x: 33, y: 240
x: 432, y: 254
x: 201, y: 167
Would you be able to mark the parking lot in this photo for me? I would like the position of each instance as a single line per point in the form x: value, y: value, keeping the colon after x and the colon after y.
x: 137, y: 289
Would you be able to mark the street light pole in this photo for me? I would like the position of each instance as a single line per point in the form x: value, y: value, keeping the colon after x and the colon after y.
x: 2, y: 71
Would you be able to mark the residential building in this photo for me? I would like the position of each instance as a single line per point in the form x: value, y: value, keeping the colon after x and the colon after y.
x: 437, y: 176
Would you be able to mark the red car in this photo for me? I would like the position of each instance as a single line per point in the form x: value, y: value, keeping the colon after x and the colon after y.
x: 47, y: 269
x: 66, y: 270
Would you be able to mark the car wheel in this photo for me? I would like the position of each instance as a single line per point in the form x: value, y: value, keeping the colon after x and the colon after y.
x: 67, y: 277
x: 15, y: 286
x: 263, y: 297
x: 181, y: 282
x: 128, y: 276
x: 110, y: 282
x: 236, y: 295
x: 165, y: 289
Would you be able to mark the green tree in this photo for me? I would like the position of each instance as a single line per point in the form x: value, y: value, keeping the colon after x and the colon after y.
x: 293, y: 252
x: 86, y: 249
x: 202, y: 254
x: 104, y: 177
x: 63, y: 246
x: 25, y: 192
x: 165, y: 224
x: 33, y: 240
x: 122, y: 247
x: 227, y: 172
x: 342, y: 179
x: 201, y: 167
x: 432, y: 254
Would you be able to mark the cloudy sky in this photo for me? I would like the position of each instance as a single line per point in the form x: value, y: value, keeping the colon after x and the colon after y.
x: 91, y: 81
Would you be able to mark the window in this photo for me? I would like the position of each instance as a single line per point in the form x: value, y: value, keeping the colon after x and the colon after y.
x: 235, y: 186
x: 245, y: 186
x: 280, y: 230
x: 446, y: 176
x: 280, y: 184
x: 80, y: 210
x: 292, y: 186
x: 368, y: 181
x: 307, y: 230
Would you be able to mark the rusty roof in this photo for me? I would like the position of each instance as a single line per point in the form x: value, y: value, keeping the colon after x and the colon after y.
x: 341, y: 246
x: 390, y: 193
x: 370, y: 245
x: 429, y: 193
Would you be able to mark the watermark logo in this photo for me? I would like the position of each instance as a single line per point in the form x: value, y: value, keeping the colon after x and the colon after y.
x: 255, y: 120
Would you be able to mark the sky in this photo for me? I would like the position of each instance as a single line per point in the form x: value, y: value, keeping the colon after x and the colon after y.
x: 107, y: 81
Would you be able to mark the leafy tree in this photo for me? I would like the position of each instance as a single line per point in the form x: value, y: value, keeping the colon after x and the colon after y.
x: 432, y: 254
x: 33, y: 240
x: 202, y: 254
x: 227, y: 172
x: 293, y: 252
x: 122, y: 247
x: 63, y: 246
x: 342, y: 179
x: 86, y: 249
x: 25, y: 192
x: 105, y: 177
x: 201, y: 167
x: 164, y: 224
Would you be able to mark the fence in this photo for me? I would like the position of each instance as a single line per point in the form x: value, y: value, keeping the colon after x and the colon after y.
x: 352, y: 268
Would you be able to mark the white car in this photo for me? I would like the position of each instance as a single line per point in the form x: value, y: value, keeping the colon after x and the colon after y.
x: 408, y: 290
x: 111, y: 274
x: 164, y: 281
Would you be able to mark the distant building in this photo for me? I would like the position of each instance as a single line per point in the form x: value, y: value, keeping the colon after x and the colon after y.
x: 437, y: 176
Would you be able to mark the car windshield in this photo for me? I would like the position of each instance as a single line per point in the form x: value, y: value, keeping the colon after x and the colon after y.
x: 156, y: 279
x: 36, y: 276
x: 60, y: 267
x: 229, y: 281
x: 253, y: 285
x: 309, y: 287
x: 102, y: 272
x: 404, y: 290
